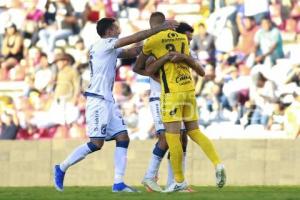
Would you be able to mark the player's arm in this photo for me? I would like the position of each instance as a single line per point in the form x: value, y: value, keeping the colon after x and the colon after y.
x: 153, y: 66
x: 140, y: 64
x: 141, y: 35
x: 130, y: 52
x: 190, y: 61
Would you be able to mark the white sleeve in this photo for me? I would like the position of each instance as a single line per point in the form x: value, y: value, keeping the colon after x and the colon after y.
x: 110, y: 43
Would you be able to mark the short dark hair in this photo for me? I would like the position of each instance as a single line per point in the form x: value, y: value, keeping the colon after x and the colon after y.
x: 184, y: 27
x: 104, y: 24
x: 157, y: 18
x: 250, y: 18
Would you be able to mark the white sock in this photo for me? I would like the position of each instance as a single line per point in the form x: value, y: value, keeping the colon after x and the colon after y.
x: 153, y: 166
x: 170, y: 171
x: 120, y: 164
x: 77, y: 155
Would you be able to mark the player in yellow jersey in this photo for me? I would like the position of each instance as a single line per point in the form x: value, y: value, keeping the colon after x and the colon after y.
x: 178, y: 102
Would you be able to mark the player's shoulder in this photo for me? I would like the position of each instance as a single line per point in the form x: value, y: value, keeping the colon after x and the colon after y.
x: 104, y: 43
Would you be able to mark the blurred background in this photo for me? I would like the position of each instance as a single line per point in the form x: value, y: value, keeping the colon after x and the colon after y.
x: 249, y: 49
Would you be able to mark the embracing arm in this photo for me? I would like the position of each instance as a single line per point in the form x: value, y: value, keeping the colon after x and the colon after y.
x: 130, y: 52
x: 153, y: 66
x: 141, y: 35
x: 190, y: 61
x: 140, y: 64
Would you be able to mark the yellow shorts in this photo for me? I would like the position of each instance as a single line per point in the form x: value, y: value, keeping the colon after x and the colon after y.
x: 179, y: 106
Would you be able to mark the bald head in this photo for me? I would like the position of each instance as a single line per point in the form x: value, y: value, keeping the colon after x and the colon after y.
x: 157, y: 19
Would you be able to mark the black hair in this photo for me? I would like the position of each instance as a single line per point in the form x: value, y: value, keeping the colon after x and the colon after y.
x: 184, y: 27
x: 250, y: 18
x: 104, y: 24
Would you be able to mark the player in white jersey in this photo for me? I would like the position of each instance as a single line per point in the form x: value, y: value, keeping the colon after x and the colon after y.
x: 104, y: 121
x: 161, y: 146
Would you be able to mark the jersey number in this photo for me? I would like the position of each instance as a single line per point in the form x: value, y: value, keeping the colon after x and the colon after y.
x: 171, y: 47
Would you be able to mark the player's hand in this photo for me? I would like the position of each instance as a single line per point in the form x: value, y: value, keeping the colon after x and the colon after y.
x: 170, y: 24
x: 176, y: 57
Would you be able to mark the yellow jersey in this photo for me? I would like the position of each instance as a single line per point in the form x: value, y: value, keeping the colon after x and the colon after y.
x: 174, y: 77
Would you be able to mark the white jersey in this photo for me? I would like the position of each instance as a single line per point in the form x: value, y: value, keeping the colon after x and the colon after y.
x: 102, y: 61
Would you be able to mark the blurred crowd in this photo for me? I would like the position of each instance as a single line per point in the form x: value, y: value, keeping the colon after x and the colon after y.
x: 248, y: 48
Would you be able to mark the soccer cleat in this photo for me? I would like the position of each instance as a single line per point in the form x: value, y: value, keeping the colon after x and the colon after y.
x: 122, y: 187
x: 151, y: 185
x: 58, y: 176
x: 220, y: 175
x: 188, y: 189
x: 174, y: 187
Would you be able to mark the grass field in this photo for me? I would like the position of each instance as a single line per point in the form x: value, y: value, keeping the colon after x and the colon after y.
x: 99, y: 193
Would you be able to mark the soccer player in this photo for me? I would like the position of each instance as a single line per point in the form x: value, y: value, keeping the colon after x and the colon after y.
x: 160, y: 148
x: 104, y: 121
x: 178, y: 102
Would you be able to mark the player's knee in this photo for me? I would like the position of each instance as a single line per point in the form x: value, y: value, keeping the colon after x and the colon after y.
x: 122, y: 144
x: 158, y: 151
x: 95, y: 145
x: 162, y: 143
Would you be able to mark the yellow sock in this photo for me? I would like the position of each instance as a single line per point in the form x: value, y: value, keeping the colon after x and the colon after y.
x: 205, y: 144
x: 176, y: 154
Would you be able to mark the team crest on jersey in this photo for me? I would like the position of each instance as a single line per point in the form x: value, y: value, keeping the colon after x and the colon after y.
x: 172, y: 35
x: 103, y: 129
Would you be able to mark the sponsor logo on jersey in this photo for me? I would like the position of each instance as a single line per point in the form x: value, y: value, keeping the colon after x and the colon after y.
x: 173, y: 112
x: 183, y: 79
x: 103, y: 129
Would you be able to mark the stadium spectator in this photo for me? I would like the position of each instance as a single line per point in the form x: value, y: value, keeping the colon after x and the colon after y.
x: 203, y: 44
x: 67, y: 80
x: 292, y: 118
x: 294, y: 76
x: 246, y: 46
x: 263, y: 96
x: 268, y: 43
x: 61, y: 28
x: 32, y: 23
x: 276, y: 120
x: 9, y: 124
x: 12, y: 49
x: 44, y: 75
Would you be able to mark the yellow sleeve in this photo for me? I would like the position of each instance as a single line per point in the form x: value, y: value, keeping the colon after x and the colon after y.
x: 147, y: 48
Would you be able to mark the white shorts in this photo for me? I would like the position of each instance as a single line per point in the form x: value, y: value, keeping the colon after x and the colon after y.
x: 156, y: 114
x: 103, y: 118
x: 155, y: 111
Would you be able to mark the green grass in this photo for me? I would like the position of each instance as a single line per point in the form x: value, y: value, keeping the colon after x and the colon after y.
x: 99, y: 193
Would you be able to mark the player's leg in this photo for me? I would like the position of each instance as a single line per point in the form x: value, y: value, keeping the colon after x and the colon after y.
x: 159, y: 150
x: 117, y: 130
x: 193, y: 131
x: 184, y: 141
x: 150, y: 178
x: 96, y: 126
x: 176, y: 156
x: 171, y: 107
x: 207, y: 146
